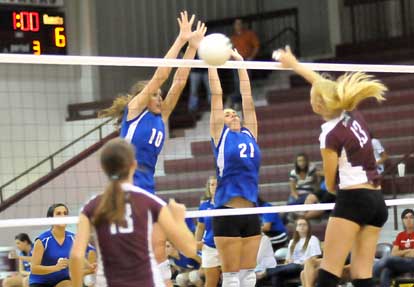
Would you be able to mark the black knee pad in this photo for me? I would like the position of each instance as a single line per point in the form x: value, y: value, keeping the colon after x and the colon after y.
x: 327, y: 279
x: 368, y: 282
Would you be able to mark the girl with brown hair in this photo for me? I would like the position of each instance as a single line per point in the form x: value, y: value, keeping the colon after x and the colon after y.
x: 122, y: 219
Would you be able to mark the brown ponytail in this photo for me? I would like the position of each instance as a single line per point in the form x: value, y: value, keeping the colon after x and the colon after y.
x: 117, y: 159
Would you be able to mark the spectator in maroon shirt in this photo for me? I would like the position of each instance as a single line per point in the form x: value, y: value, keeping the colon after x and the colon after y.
x: 122, y: 219
x: 348, y: 161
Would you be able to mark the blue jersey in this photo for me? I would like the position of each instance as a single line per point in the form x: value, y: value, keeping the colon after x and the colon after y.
x: 274, y: 218
x: 26, y: 264
x: 52, y: 252
x: 237, y: 158
x: 146, y: 132
x: 208, y: 236
x: 186, y: 263
x: 190, y: 224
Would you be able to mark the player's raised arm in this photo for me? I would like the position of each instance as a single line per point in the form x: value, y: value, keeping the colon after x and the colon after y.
x: 217, y: 114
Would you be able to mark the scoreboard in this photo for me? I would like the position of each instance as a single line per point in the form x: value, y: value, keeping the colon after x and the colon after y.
x: 32, y: 30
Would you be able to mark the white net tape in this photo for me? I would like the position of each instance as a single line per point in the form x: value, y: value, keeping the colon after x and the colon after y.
x: 161, y: 62
x: 202, y: 213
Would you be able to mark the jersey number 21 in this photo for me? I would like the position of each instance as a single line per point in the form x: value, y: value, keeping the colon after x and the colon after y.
x: 243, y: 149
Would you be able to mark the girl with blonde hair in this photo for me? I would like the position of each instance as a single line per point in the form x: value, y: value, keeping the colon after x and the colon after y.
x: 346, y: 149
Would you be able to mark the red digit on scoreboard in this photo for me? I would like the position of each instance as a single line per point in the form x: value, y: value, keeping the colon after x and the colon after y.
x: 26, y: 21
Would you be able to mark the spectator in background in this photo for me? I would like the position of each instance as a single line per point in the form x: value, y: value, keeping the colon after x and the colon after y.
x: 273, y: 227
x: 303, y: 180
x: 198, y: 76
x: 25, y: 246
x: 402, y: 254
x: 246, y: 42
x: 303, y: 246
x: 379, y: 153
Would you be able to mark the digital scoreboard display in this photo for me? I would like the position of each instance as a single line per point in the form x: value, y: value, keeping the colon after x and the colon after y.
x: 32, y: 30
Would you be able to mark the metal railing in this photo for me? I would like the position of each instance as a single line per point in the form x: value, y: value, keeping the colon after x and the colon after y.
x: 51, y: 158
x: 373, y: 20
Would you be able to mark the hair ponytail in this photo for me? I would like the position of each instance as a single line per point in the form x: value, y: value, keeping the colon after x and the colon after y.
x: 349, y: 90
x: 117, y: 158
x: 116, y: 111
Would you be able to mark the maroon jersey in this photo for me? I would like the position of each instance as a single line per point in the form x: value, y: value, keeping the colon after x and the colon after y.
x: 126, y: 252
x: 348, y: 135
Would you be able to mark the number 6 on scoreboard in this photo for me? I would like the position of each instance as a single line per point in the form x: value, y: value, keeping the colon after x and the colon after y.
x: 60, y: 38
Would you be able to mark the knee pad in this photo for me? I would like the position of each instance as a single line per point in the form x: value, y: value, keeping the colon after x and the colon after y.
x: 182, y: 279
x: 231, y: 279
x: 247, y: 278
x: 194, y: 277
x: 327, y: 279
x: 165, y: 270
x: 368, y: 282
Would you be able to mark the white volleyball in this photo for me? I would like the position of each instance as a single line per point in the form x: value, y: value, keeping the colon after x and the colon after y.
x: 215, y: 49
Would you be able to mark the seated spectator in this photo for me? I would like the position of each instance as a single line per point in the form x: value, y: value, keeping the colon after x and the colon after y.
x: 402, y: 254
x: 303, y: 246
x: 182, y: 265
x: 303, y: 180
x: 210, y: 260
x: 379, y: 153
x: 273, y: 227
x: 25, y: 246
x: 309, y: 275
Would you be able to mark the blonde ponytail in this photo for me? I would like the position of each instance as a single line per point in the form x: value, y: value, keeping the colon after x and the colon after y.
x: 349, y: 90
x: 116, y: 111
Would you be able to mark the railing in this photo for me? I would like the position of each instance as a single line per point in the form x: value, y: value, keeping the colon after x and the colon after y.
x: 391, y: 173
x: 51, y: 158
x: 274, y: 28
x: 373, y: 20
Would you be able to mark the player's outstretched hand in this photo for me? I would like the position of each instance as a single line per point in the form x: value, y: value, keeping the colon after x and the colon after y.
x: 185, y: 26
x: 198, y: 34
x: 285, y: 57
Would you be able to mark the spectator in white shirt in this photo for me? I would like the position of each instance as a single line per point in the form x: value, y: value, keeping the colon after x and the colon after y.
x: 303, y: 246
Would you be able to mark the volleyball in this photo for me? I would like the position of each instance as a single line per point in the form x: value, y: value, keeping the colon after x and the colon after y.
x: 215, y: 49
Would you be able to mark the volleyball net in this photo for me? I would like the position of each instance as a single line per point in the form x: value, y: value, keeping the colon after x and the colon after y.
x: 51, y: 138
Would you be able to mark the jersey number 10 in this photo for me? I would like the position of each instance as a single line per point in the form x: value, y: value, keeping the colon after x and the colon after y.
x: 158, y: 139
x: 129, y: 228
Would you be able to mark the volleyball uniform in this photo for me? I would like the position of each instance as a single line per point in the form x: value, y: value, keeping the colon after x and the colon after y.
x: 125, y: 253
x: 147, y: 133
x: 237, y: 158
x: 208, y: 236
x: 348, y: 136
x: 185, y: 262
x: 51, y: 254
x: 26, y: 264
x: 277, y: 233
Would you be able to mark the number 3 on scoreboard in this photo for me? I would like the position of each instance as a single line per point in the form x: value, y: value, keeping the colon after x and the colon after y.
x: 60, y: 38
x: 36, y: 47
